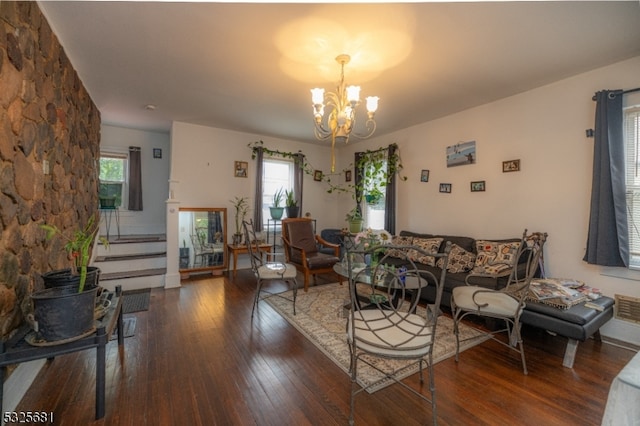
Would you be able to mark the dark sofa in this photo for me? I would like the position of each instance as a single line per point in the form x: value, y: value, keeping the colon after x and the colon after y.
x: 455, y: 279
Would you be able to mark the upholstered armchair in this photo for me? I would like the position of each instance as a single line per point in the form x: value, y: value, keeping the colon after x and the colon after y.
x: 302, y: 249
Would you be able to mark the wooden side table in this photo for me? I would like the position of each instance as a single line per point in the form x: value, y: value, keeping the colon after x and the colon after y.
x: 235, y: 250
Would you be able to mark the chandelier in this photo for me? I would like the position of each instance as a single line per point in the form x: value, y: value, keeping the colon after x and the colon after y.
x: 338, y: 124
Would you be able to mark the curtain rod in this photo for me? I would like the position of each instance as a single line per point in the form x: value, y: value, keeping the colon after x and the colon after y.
x: 624, y: 92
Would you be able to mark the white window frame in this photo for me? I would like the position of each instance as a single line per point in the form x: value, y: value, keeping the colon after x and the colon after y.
x: 121, y: 155
x: 631, y: 131
x: 271, y: 185
x: 374, y: 214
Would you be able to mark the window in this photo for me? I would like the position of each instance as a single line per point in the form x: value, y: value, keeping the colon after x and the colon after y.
x: 276, y: 174
x: 374, y: 195
x: 632, y: 141
x: 113, y: 172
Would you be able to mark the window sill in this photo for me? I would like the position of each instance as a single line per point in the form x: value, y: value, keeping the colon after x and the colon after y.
x: 632, y: 273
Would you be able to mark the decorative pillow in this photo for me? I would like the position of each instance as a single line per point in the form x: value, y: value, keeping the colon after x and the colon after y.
x: 430, y: 245
x: 460, y: 260
x: 494, y: 257
x: 399, y: 241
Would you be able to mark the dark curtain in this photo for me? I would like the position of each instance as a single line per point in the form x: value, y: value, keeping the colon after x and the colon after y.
x: 135, y: 179
x: 215, y: 225
x: 257, y: 208
x: 390, y: 196
x: 607, y: 240
x: 298, y: 176
x: 358, y: 179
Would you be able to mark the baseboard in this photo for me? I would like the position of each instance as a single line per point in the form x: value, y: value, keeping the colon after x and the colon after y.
x: 19, y: 382
x: 625, y: 332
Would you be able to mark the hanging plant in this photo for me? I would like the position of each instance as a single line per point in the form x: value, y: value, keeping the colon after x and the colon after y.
x: 379, y: 168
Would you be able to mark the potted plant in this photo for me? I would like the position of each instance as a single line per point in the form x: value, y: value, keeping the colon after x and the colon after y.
x: 63, y: 313
x: 354, y: 217
x: 241, y: 204
x: 277, y: 210
x: 291, y: 203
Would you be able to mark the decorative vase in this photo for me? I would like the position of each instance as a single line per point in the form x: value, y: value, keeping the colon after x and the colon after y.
x: 355, y: 225
x: 237, y: 239
x: 293, y: 211
x: 276, y: 212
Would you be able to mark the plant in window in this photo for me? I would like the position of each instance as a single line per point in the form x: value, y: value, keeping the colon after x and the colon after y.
x: 355, y: 220
x: 277, y: 210
x: 241, y: 204
x: 291, y: 203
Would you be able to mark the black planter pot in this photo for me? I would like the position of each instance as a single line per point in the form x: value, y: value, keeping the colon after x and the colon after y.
x: 293, y: 211
x: 61, y: 314
x: 63, y: 278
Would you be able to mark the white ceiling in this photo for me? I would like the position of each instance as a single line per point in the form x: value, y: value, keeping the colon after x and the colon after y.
x: 249, y: 66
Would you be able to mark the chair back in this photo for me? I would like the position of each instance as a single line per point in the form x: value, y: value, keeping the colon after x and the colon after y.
x: 299, y: 233
x: 250, y: 239
x: 529, y: 263
x: 385, y: 298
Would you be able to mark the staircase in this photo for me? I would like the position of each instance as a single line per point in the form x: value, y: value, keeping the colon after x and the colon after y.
x: 132, y: 261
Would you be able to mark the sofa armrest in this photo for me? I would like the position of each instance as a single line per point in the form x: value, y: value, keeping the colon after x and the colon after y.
x: 324, y: 243
x: 485, y: 280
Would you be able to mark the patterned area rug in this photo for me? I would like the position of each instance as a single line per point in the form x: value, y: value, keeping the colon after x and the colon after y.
x: 321, y: 318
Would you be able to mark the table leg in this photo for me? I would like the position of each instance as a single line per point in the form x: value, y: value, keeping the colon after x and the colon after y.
x: 235, y: 262
x: 101, y: 355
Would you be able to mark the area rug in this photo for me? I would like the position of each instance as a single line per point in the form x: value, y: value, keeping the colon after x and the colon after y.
x: 136, y: 301
x: 321, y: 318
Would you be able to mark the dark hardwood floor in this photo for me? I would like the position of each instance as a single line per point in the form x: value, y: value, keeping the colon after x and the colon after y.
x: 196, y: 359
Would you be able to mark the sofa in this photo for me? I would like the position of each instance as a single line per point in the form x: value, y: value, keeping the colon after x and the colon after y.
x: 467, y: 256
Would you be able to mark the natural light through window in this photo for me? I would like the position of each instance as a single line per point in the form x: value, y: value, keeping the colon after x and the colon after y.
x: 113, y: 173
x: 277, y: 174
x: 374, y: 199
x: 632, y: 139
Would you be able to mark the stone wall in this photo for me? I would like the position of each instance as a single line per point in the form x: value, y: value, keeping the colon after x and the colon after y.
x: 49, y: 145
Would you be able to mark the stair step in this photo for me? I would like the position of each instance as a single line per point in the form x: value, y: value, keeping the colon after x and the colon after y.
x: 138, y: 238
x: 132, y: 274
x: 134, y: 256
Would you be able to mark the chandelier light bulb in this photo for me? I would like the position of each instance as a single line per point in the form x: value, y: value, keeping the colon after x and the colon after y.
x: 317, y: 96
x: 353, y: 94
x: 372, y: 103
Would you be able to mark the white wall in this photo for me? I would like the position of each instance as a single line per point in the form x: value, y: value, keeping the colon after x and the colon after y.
x: 203, y: 161
x: 155, y: 178
x: 545, y: 129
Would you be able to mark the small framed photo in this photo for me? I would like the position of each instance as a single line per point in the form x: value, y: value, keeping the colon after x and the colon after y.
x: 445, y: 187
x: 347, y: 176
x: 477, y: 186
x: 157, y: 153
x: 511, y: 166
x: 240, y: 168
x: 317, y: 175
x: 424, y: 176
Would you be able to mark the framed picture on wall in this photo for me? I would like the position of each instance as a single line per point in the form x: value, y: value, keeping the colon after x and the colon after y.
x: 240, y: 168
x: 511, y: 166
x: 445, y: 187
x: 317, y: 175
x: 477, y: 186
x: 424, y: 176
x: 347, y: 176
x: 157, y: 153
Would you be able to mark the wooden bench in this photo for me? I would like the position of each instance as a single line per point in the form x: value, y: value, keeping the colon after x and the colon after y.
x: 577, y: 323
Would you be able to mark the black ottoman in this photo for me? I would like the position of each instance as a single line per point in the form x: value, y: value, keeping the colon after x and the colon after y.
x: 577, y: 323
